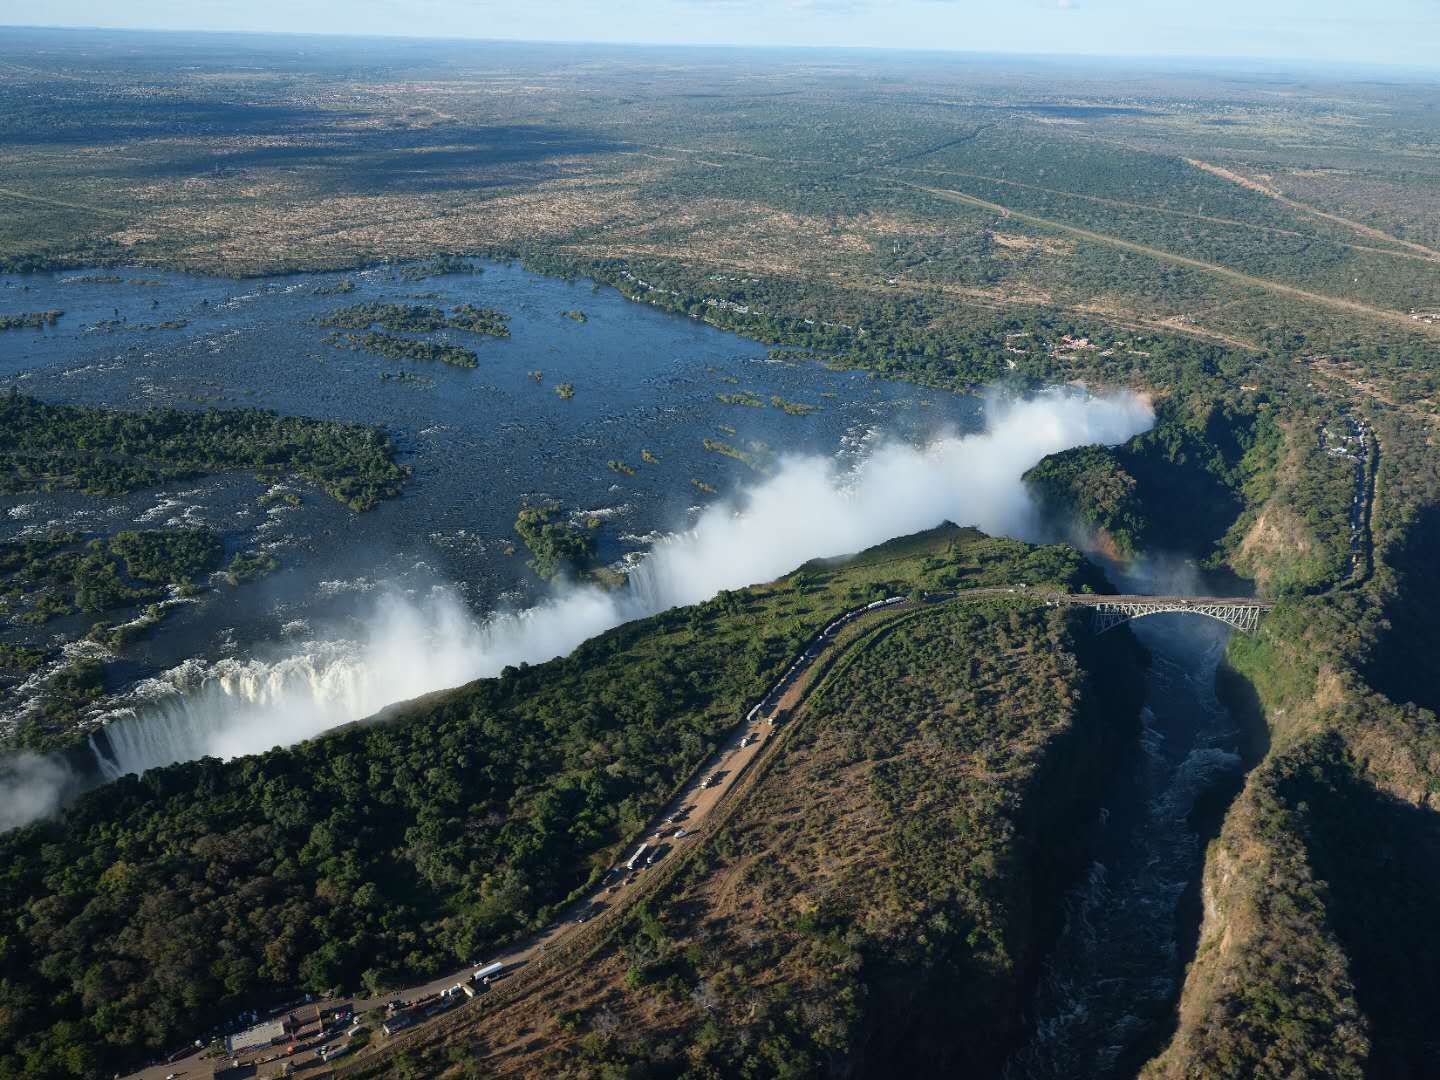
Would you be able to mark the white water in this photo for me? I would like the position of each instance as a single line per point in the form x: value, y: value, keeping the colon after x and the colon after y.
x: 810, y: 508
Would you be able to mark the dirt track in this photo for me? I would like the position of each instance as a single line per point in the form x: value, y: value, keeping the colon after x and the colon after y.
x: 1420, y: 250
x: 1422, y: 255
x: 1354, y: 307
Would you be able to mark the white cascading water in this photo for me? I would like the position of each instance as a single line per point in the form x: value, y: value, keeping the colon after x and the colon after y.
x: 235, y: 707
x: 808, y: 509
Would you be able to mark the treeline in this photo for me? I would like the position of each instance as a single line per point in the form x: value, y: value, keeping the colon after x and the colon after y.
x: 104, y: 451
x: 926, y: 337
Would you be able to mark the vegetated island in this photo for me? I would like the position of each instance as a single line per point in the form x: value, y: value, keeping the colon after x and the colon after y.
x: 419, y: 319
x: 793, y: 408
x: 30, y: 320
x: 416, y: 318
x: 440, y: 266
x: 68, y: 574
x: 411, y: 318
x: 759, y: 456
x: 478, y: 320
x: 63, y: 574
x: 402, y: 348
x: 104, y: 451
x: 559, y: 548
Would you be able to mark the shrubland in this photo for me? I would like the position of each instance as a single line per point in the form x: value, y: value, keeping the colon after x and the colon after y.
x: 882, y: 899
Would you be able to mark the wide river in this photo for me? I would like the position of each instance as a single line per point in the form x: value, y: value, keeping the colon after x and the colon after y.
x: 481, y: 442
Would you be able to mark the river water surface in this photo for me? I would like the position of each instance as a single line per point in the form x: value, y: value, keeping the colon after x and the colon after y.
x: 300, y: 645
x: 1107, y: 997
x: 431, y: 589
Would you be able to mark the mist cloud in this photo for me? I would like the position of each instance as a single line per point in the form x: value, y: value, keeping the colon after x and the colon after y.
x: 810, y: 508
x: 31, y: 786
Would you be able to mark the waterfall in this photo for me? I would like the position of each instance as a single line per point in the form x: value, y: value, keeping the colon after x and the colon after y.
x: 235, y: 707
x: 813, y: 507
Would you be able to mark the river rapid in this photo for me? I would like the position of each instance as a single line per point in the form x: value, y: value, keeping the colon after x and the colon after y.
x: 1106, y: 999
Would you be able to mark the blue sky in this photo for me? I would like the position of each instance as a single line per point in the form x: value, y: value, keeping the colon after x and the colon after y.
x: 1383, y: 31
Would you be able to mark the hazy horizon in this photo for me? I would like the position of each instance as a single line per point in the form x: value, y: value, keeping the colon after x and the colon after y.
x: 1393, y: 33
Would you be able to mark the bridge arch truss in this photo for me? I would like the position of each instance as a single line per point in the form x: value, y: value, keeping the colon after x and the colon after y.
x: 1109, y: 614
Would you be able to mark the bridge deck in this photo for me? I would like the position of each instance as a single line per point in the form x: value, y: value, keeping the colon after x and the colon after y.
x: 1096, y: 599
x: 1240, y: 612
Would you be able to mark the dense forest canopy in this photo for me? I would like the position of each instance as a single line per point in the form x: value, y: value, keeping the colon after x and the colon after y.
x: 408, y: 846
x: 108, y: 452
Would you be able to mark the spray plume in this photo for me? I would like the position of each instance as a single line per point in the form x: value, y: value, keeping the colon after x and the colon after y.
x: 809, y: 509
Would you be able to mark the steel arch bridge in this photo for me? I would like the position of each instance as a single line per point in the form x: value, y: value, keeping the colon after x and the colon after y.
x: 1240, y: 613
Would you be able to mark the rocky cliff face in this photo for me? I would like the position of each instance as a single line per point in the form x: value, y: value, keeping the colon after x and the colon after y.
x: 1316, y: 955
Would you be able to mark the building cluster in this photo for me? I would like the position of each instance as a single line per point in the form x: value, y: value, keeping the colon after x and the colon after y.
x: 289, y: 1033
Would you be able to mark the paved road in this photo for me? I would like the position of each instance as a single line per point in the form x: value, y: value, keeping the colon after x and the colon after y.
x: 689, y: 811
